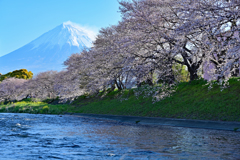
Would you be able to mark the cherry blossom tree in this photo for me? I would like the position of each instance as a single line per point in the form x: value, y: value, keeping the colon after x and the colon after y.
x: 103, y: 65
x: 11, y: 89
x: 67, y: 85
x: 215, y: 25
x: 188, y: 29
x: 153, y: 25
x: 42, y: 86
x: 112, y: 60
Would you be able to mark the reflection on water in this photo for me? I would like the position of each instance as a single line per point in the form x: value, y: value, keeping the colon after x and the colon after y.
x: 25, y: 136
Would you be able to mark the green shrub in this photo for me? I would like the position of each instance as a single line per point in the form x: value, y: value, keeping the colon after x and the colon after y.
x: 45, y: 109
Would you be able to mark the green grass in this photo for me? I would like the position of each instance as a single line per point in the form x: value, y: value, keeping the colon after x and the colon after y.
x: 190, y: 101
x: 35, y: 108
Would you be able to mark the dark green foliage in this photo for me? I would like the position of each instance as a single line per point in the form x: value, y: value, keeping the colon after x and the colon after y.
x: 27, y: 100
x: 52, y: 101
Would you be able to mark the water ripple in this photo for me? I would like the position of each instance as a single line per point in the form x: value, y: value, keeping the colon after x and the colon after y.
x: 28, y: 136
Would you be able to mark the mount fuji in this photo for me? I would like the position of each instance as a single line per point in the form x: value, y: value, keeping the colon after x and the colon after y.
x: 49, y: 51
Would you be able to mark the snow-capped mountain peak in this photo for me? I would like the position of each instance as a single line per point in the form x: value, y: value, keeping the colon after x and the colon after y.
x: 68, y: 32
x: 50, y: 50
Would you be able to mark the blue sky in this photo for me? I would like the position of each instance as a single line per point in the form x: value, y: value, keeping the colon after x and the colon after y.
x: 22, y: 21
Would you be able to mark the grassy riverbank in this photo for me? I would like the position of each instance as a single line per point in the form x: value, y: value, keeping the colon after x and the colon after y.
x: 190, y: 101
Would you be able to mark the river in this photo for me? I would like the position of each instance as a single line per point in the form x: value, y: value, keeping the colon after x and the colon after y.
x: 31, y: 136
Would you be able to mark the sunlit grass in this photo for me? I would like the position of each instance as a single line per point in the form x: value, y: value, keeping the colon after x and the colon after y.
x: 191, y: 101
x: 35, y: 108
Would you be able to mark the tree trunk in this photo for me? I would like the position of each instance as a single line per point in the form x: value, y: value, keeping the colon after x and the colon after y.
x: 139, y: 84
x: 118, y: 85
x: 149, y: 82
x: 193, y: 75
x: 113, y: 87
x: 193, y: 71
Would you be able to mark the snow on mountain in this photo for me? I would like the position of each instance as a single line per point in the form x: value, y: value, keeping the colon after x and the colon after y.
x: 67, y: 32
x: 49, y: 51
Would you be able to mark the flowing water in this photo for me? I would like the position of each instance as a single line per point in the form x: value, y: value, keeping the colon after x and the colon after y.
x: 28, y: 136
